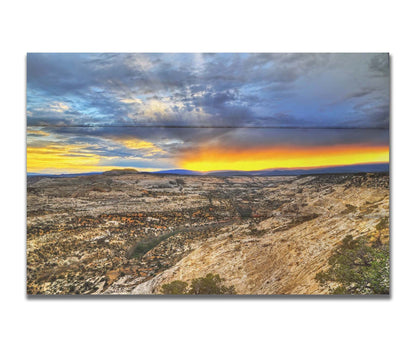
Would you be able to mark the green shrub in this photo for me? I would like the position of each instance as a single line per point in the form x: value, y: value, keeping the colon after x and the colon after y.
x: 210, y: 284
x: 358, y: 267
x: 175, y: 288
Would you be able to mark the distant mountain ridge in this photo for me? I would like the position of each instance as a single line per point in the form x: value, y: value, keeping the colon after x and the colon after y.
x: 360, y: 168
x: 181, y: 172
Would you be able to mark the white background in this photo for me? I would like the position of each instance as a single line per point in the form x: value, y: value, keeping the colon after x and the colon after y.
x: 194, y: 26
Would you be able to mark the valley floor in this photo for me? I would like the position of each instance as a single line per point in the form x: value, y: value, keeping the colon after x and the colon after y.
x: 132, y: 233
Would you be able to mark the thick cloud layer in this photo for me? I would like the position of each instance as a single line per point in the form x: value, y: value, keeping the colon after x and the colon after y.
x: 209, y: 89
x: 99, y: 102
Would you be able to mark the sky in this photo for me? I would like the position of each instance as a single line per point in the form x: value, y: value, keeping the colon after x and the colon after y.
x: 205, y: 112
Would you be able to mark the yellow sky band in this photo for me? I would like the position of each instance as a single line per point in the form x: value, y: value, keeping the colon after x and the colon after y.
x: 215, y: 159
x: 72, y: 158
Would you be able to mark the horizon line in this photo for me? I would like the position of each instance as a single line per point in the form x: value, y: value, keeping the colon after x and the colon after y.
x: 214, y: 171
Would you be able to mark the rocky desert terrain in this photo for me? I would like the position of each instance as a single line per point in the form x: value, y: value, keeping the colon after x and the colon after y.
x: 130, y: 233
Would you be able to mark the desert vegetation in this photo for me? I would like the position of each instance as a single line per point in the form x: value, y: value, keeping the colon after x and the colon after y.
x: 133, y: 233
x: 209, y: 285
x: 358, y: 266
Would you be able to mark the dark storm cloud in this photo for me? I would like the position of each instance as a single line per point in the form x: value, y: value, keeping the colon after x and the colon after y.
x: 217, y: 89
x: 247, y: 138
x: 108, y: 141
x: 184, y: 136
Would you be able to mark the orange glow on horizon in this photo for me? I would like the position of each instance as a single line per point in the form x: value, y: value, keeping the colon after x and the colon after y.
x: 251, y: 159
x: 61, y: 158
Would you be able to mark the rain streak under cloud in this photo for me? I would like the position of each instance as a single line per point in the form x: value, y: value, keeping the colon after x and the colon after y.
x: 93, y: 112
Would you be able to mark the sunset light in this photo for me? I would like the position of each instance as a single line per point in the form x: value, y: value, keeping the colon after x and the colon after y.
x: 197, y: 112
x: 217, y: 159
x: 62, y: 158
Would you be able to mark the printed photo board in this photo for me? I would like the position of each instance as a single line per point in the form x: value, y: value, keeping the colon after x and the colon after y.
x: 208, y: 174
